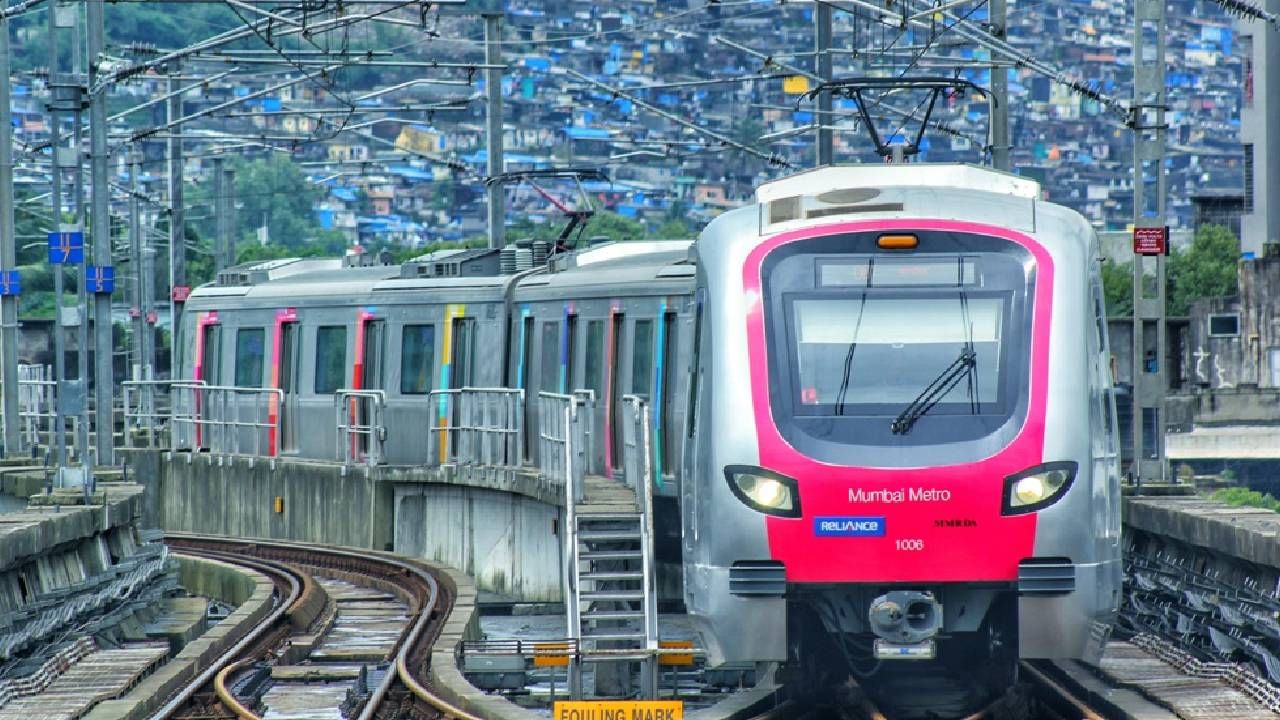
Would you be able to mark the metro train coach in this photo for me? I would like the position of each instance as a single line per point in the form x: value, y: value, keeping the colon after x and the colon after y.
x: 612, y: 319
x: 903, y: 439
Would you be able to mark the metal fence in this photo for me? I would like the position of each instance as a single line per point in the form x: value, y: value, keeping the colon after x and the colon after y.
x: 637, y: 450
x: 225, y: 419
x: 477, y: 426
x: 146, y: 411
x: 361, y: 426
x: 37, y: 395
x: 563, y: 438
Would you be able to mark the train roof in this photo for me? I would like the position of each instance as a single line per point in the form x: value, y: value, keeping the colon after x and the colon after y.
x: 821, y: 181
x: 918, y: 190
x: 608, y: 266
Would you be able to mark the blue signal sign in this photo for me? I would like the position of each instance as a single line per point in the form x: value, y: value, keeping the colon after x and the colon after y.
x: 10, y: 283
x: 100, y: 279
x: 66, y: 247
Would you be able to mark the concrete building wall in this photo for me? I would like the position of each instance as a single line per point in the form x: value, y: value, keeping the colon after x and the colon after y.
x: 1235, y: 342
x: 1261, y: 222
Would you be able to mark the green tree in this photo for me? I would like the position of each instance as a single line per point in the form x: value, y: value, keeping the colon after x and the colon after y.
x: 674, y: 229
x: 1117, y: 287
x: 274, y: 192
x: 1207, y: 269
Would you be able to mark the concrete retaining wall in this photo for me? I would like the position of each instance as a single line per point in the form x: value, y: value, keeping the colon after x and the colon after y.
x: 48, y: 548
x: 500, y: 527
x: 509, y: 543
x: 1240, y: 533
x: 237, y: 498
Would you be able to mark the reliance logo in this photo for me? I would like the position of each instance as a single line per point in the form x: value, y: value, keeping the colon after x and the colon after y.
x: 848, y: 526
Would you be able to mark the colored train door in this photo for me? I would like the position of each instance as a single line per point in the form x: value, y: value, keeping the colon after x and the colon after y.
x: 368, y: 373
x: 286, y: 374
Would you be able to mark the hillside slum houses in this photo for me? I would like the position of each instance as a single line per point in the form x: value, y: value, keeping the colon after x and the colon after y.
x: 391, y: 182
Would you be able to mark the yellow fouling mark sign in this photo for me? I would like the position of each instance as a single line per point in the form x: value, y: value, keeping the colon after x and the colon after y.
x: 619, y: 710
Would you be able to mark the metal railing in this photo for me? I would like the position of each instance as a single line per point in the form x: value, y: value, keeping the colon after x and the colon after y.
x: 146, y: 411
x: 477, y: 426
x: 563, y: 432
x: 225, y: 419
x: 37, y: 398
x: 361, y: 425
x: 637, y: 463
x: 587, y: 441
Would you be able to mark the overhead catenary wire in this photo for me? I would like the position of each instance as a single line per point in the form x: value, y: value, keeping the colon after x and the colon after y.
x: 771, y: 158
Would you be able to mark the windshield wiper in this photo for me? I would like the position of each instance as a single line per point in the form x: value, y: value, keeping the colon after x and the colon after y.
x: 935, y: 391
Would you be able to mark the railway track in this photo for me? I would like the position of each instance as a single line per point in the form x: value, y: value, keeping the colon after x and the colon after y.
x: 401, y: 693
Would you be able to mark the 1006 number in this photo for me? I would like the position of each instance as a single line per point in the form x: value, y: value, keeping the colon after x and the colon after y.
x: 909, y: 544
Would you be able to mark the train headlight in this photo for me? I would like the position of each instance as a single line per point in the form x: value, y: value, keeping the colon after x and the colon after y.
x: 1038, y: 487
x: 764, y: 490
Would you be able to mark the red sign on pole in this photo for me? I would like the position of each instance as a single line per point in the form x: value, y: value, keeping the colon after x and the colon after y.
x: 1151, y: 241
x: 181, y: 293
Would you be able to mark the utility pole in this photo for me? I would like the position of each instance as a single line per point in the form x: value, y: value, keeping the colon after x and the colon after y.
x: 83, y: 450
x: 493, y: 88
x: 138, y: 308
x: 147, y: 285
x: 177, y: 225
x: 224, y: 251
x: 8, y: 263
x: 1000, y: 145
x: 104, y: 366
x: 822, y: 65
x: 1148, y: 122
x: 229, y: 194
x: 64, y: 96
x: 219, y: 232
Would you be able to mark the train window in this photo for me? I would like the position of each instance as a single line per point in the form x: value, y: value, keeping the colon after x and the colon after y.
x: 211, y: 355
x: 526, y: 379
x: 550, y: 381
x: 331, y: 358
x: 371, y: 373
x: 417, y: 358
x: 249, y: 356
x: 570, y: 354
x: 615, y: 386
x: 462, y: 363
x: 695, y: 372
x: 594, y: 376
x: 642, y: 359
x: 670, y: 423
x: 526, y: 354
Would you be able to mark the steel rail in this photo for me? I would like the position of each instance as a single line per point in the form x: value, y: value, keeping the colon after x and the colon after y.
x: 1065, y: 700
x: 434, y: 605
x: 228, y: 698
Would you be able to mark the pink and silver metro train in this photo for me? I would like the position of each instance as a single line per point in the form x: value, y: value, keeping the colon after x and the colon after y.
x: 903, y: 442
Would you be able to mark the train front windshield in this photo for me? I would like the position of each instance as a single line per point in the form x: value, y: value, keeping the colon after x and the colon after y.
x: 866, y: 355
x: 872, y: 348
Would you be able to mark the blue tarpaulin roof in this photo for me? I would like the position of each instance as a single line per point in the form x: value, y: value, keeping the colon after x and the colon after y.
x: 584, y: 133
x: 410, y: 173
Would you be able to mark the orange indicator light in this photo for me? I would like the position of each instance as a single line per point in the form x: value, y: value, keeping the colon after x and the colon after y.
x: 897, y: 242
